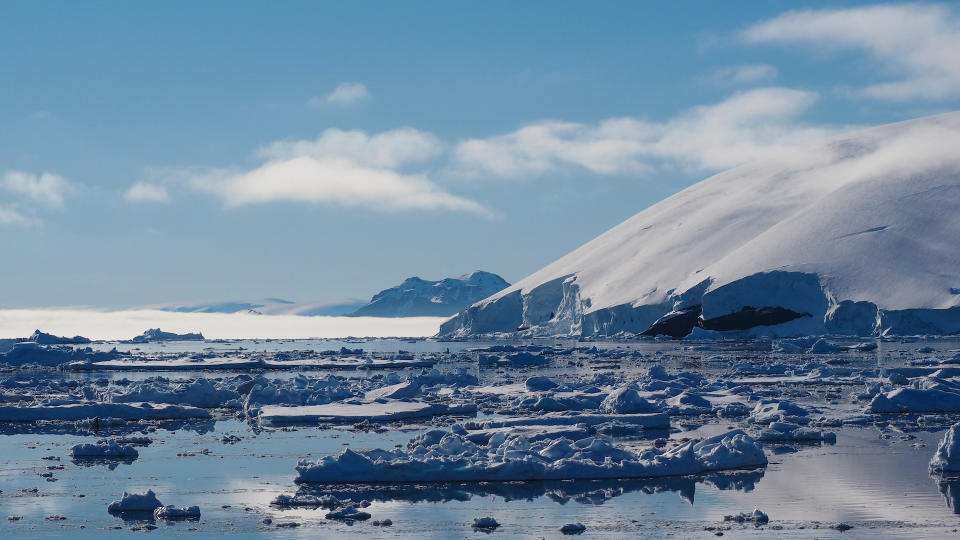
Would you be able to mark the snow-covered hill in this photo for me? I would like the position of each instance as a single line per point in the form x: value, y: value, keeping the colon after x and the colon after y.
x: 858, y: 235
x: 417, y: 297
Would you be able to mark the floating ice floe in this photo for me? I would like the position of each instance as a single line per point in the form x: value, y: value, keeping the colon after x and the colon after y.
x: 72, y: 412
x: 439, y: 455
x: 345, y: 413
x: 156, y: 334
x: 785, y: 431
x: 174, y: 513
x: 135, y: 502
x: 947, y: 458
x: 104, y: 450
x: 197, y: 393
x: 404, y: 390
x: 915, y: 400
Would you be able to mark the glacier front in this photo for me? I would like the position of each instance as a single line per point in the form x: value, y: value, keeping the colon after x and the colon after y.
x: 857, y: 235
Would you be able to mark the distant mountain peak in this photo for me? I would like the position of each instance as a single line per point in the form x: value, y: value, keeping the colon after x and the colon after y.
x: 418, y: 297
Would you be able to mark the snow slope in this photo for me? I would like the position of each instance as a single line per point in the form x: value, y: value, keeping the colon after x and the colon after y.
x: 417, y: 297
x: 857, y: 235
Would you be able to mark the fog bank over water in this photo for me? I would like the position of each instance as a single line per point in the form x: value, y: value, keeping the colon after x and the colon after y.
x: 114, y: 325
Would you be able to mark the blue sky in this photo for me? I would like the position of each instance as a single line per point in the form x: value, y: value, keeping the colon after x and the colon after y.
x: 208, y: 150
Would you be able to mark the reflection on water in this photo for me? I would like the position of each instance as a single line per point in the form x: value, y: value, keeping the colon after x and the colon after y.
x: 592, y: 492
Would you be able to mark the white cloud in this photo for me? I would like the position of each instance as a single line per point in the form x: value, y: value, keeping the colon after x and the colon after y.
x: 9, y: 215
x: 46, y: 188
x: 340, y: 168
x: 747, y: 125
x: 918, y: 43
x: 390, y: 149
x: 146, y: 192
x: 346, y: 93
x: 743, y: 74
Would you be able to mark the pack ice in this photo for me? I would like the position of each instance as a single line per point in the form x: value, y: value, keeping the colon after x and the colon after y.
x: 807, y: 242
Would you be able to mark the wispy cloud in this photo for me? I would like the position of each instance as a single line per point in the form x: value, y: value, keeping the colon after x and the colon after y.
x: 340, y: 168
x: 390, y: 149
x: 745, y: 126
x: 146, y: 192
x: 743, y: 75
x: 45, y: 188
x: 9, y: 215
x: 346, y: 93
x: 916, y: 44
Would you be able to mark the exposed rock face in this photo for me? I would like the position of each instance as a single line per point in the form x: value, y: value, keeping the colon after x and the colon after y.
x: 856, y: 235
x: 417, y: 297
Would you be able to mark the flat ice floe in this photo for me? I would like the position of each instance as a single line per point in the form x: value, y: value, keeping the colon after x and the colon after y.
x: 438, y: 456
x: 377, y: 411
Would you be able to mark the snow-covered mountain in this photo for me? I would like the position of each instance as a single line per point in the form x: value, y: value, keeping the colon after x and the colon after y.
x: 857, y: 235
x: 265, y: 306
x: 417, y: 297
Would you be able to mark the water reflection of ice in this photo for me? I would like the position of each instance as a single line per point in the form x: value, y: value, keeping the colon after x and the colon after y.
x: 591, y: 492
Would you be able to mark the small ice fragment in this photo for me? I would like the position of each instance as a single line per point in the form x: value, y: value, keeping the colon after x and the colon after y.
x: 172, y: 513
x: 573, y: 528
x: 485, y: 523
